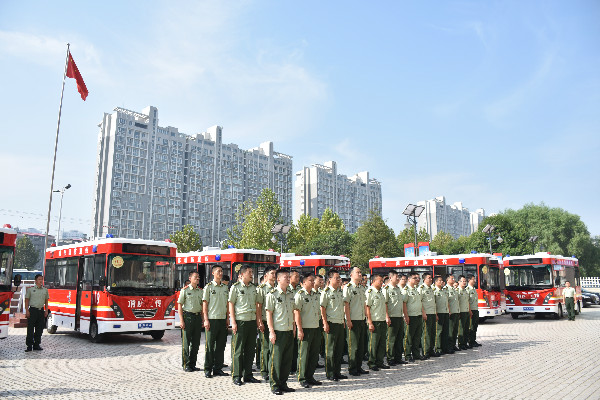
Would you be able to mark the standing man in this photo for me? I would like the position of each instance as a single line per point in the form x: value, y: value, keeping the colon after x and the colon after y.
x: 377, y: 315
x: 474, y: 306
x: 307, y: 316
x: 319, y: 284
x: 189, y: 306
x: 244, y: 322
x: 354, y: 309
x: 332, y: 313
x: 395, y: 331
x: 443, y: 316
x: 428, y: 300
x: 454, y: 317
x: 214, y: 308
x: 280, y: 319
x: 568, y: 300
x: 263, y: 290
x: 465, y: 313
x: 414, y: 316
x: 293, y: 288
x: 36, y: 306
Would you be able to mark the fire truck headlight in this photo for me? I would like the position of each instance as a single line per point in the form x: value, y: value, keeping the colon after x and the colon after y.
x: 547, y: 298
x: 509, y: 299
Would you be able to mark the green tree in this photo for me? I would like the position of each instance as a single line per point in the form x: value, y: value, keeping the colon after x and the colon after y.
x: 373, y: 238
x: 26, y: 256
x: 332, y: 242
x: 330, y: 221
x: 408, y: 236
x: 303, y: 232
x: 441, y: 243
x: 254, y: 222
x: 187, y: 240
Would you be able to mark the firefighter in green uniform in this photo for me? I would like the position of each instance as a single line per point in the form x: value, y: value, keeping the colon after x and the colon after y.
x: 36, y: 298
x: 293, y: 288
x: 280, y: 320
x: 465, y: 313
x: 429, y: 331
x: 214, y: 308
x: 244, y: 322
x: 189, y: 306
x: 263, y: 290
x: 414, y: 318
x: 354, y: 309
x: 332, y: 313
x: 569, y: 294
x: 454, y: 317
x: 443, y: 316
x: 395, y: 332
x: 307, y: 316
x: 318, y: 288
x: 405, y: 343
x: 474, y: 306
x: 377, y: 318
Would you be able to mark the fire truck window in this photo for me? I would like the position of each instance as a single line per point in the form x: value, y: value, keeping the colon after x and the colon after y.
x: 99, y: 268
x: 570, y: 275
x: 88, y: 273
x: 66, y: 273
x: 50, y: 274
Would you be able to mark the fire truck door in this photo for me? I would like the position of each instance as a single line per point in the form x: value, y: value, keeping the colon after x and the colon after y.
x: 79, y: 291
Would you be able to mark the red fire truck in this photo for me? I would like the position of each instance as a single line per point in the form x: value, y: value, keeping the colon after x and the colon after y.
x: 534, y: 284
x: 230, y: 259
x: 8, y: 241
x: 111, y: 285
x: 483, y: 266
x: 315, y: 263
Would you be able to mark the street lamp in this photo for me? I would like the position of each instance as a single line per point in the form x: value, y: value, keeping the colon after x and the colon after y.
x: 533, y: 239
x: 488, y: 230
x: 281, y: 231
x: 62, y: 192
x: 412, y: 212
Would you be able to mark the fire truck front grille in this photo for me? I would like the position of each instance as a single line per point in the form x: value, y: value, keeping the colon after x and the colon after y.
x: 528, y: 301
x: 146, y: 313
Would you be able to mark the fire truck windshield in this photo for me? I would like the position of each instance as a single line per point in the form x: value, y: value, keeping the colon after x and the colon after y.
x: 489, y: 277
x: 528, y: 277
x: 136, y: 274
x: 6, y: 260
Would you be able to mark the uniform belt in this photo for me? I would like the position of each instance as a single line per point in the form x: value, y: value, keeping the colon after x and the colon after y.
x: 193, y: 313
x: 36, y: 308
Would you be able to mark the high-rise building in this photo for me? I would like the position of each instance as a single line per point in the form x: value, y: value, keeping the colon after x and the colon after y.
x: 153, y: 180
x: 320, y: 187
x: 450, y: 218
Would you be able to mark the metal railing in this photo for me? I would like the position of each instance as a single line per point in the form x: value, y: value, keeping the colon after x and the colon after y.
x: 590, y: 282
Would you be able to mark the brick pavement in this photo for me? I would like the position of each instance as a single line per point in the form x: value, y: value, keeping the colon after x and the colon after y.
x: 522, y: 359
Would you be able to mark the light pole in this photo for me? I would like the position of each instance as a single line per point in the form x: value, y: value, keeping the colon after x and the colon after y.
x: 62, y: 192
x: 413, y: 212
x: 488, y: 230
x: 533, y: 239
x: 281, y: 231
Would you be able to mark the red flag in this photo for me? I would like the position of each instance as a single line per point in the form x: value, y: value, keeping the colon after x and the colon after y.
x: 73, y: 72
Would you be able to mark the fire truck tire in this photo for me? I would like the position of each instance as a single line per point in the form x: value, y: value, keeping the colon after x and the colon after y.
x: 95, y: 337
x: 559, y: 314
x: 514, y: 315
x: 157, y: 335
x: 51, y: 329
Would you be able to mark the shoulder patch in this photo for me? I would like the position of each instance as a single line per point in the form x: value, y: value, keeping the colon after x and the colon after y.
x: 327, y: 288
x: 369, y: 291
x: 237, y: 283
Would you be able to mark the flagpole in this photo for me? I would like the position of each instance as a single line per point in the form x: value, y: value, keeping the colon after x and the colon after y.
x: 55, y: 148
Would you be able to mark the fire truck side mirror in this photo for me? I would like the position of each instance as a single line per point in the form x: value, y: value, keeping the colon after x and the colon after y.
x: 17, y: 281
x: 102, y: 281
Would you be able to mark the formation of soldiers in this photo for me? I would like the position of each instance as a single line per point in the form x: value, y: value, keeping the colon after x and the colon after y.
x: 297, y: 318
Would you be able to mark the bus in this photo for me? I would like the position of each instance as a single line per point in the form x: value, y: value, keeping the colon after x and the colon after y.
x: 111, y: 285
x: 8, y: 242
x: 484, y: 267
x: 230, y: 259
x: 534, y: 284
x: 315, y: 263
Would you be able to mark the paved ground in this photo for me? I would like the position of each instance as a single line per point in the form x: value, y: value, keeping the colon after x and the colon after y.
x: 522, y: 359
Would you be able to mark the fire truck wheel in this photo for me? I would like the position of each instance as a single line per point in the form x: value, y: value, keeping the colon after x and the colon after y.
x: 157, y: 335
x: 95, y: 337
x: 49, y: 327
x: 559, y: 314
x: 514, y: 315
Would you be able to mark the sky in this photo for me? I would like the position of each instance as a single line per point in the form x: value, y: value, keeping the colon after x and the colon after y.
x: 495, y: 104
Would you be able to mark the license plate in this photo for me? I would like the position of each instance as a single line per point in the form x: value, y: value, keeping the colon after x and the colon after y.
x: 527, y: 308
x: 145, y: 325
